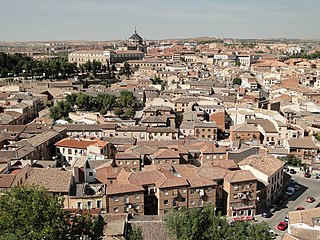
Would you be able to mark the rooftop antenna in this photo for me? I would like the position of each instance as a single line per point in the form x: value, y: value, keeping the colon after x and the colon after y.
x: 135, y: 29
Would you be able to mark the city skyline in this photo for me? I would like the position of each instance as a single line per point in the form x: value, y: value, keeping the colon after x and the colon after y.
x: 108, y: 20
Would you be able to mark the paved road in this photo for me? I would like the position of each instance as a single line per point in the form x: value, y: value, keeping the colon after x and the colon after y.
x: 308, y: 187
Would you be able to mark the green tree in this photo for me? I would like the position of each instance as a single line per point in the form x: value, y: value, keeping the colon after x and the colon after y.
x: 317, y: 136
x: 55, y: 113
x: 61, y: 109
x: 126, y: 69
x: 292, y: 160
x: 30, y: 213
x: 126, y: 99
x: 237, y: 81
x: 71, y: 98
x: 144, y: 99
x: 134, y: 233
x: 117, y: 111
x: 83, y: 101
x: 129, y: 112
x: 203, y: 223
x: 85, y: 84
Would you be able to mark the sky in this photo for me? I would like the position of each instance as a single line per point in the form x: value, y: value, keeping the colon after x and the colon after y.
x: 24, y: 20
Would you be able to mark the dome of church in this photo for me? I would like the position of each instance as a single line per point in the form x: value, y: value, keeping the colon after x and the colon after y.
x: 136, y: 36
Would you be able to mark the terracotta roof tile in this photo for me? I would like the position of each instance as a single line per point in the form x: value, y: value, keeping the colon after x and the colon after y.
x: 166, y: 154
x: 54, y: 180
x: 80, y: 144
x: 6, y: 180
x: 239, y: 176
x: 264, y: 163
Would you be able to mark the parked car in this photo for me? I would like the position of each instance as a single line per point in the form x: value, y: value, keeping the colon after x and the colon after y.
x: 292, y: 171
x: 266, y: 214
x: 310, y: 199
x: 290, y: 191
x: 292, y: 180
x: 286, y: 219
x: 282, y: 226
x: 307, y: 175
x: 272, y: 232
x: 286, y: 169
x: 300, y: 208
x: 296, y: 187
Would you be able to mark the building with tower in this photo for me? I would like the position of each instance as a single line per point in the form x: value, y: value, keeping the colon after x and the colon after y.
x: 135, y: 42
x: 133, y: 49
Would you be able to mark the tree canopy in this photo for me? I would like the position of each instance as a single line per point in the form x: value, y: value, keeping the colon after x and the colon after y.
x: 204, y: 224
x: 29, y: 212
x: 103, y: 103
x: 134, y: 233
x: 237, y: 81
x: 21, y: 65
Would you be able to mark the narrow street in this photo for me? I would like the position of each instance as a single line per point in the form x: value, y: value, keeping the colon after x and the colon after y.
x: 308, y: 187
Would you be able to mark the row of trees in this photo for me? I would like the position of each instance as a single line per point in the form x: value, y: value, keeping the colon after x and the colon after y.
x: 21, y: 65
x: 58, y: 68
x: 204, y: 224
x: 30, y: 213
x: 315, y: 55
x: 124, y: 104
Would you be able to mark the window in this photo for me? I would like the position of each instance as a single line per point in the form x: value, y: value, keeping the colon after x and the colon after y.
x: 137, y: 196
x: 116, y: 209
x: 166, y: 193
x: 115, y: 199
x: 166, y: 202
x: 134, y: 163
x: 120, y: 162
x: 192, y: 191
x: 174, y: 161
x: 193, y: 202
x: 90, y: 174
x: 184, y: 190
x: 221, y: 156
x: 137, y: 207
x: 126, y: 199
x: 209, y: 189
x: 99, y: 204
x: 208, y: 156
x: 69, y: 151
x: 89, y: 204
x: 128, y: 162
x: 235, y: 196
x: 214, y: 156
x: 79, y: 205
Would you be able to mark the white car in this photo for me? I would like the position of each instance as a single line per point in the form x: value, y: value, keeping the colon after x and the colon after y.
x: 290, y: 191
x: 272, y: 232
x: 296, y: 187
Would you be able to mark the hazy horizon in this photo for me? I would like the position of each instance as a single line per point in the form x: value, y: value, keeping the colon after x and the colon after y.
x: 97, y: 20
